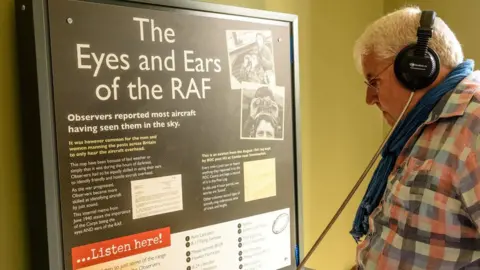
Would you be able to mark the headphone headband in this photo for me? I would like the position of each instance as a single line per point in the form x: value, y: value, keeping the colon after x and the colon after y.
x: 424, y: 32
x: 427, y: 19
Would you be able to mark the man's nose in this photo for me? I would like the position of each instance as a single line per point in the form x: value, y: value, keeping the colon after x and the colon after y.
x: 371, y: 96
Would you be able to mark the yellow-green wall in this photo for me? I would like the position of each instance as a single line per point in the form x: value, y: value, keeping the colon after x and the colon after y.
x: 11, y: 222
x: 335, y: 152
x: 332, y: 94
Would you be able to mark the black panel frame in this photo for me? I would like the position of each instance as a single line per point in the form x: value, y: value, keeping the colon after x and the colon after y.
x: 39, y: 158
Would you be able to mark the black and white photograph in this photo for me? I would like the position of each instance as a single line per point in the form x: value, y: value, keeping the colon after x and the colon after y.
x: 251, y: 58
x: 262, y: 115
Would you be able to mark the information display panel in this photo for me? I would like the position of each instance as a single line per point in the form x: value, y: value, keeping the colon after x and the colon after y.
x: 170, y: 135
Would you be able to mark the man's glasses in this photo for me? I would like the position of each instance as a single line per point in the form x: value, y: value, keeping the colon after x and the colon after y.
x: 372, y: 82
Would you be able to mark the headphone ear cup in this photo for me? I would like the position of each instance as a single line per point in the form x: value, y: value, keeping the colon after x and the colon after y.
x: 416, y: 72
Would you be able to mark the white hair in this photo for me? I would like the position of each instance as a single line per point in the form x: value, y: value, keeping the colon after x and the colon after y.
x: 385, y: 37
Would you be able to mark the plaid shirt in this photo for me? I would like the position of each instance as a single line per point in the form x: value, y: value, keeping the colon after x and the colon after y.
x: 429, y: 217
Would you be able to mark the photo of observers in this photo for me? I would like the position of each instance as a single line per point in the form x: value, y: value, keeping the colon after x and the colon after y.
x: 250, y: 57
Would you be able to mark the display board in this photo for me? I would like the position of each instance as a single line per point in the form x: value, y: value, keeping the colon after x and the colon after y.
x: 169, y: 134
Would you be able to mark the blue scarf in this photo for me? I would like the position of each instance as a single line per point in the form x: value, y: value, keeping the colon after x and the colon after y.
x: 397, y: 141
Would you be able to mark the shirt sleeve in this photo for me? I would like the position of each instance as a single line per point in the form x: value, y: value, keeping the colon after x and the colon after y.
x: 469, y: 180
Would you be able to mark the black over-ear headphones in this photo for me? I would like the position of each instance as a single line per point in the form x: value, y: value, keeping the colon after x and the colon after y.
x: 417, y: 66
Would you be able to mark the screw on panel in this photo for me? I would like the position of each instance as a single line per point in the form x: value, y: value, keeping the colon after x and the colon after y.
x: 24, y: 7
x: 279, y: 39
x: 69, y: 20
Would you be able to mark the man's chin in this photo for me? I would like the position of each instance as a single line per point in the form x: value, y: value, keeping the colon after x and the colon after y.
x: 388, y: 119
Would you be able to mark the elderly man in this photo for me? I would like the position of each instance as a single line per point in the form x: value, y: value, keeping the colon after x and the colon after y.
x: 422, y: 206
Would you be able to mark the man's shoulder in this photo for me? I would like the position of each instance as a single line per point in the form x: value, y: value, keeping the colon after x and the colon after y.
x: 464, y: 103
x: 468, y: 92
x: 458, y: 114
